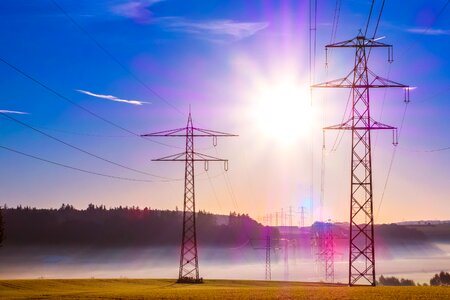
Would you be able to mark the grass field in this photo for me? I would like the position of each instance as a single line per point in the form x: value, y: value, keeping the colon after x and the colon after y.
x: 211, y: 289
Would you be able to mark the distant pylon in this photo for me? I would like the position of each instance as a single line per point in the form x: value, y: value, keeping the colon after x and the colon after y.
x: 360, y: 80
x: 286, y: 259
x: 268, y: 275
x: 189, y: 271
x: 323, y: 245
x: 329, y: 252
x: 267, y: 246
x: 290, y: 216
x: 302, y: 217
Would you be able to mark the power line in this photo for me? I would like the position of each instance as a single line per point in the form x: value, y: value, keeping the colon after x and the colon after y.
x: 111, y: 56
x: 429, y: 151
x: 392, y: 161
x: 334, y: 27
x: 78, y: 148
x: 78, y: 169
x: 379, y: 18
x: 441, y: 11
x: 61, y: 96
x: 368, y: 18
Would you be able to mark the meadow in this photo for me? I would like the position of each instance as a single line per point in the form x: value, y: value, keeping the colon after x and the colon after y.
x: 211, y: 289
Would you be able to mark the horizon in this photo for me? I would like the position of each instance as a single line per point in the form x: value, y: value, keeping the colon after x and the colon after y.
x: 97, y: 206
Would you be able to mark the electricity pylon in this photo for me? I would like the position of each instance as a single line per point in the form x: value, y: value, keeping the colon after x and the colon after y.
x: 268, y: 274
x: 329, y: 252
x: 323, y: 243
x: 360, y: 80
x: 268, y: 247
x: 189, y: 272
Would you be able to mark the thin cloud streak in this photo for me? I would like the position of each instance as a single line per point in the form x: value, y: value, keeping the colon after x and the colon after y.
x: 113, y: 98
x: 4, y: 111
x: 214, y: 30
x: 137, y: 10
x: 218, y: 30
x: 428, y: 31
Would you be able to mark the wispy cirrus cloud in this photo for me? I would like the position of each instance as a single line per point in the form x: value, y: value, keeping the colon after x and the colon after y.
x: 113, y: 98
x: 138, y: 10
x: 4, y: 111
x: 214, y: 30
x: 428, y: 31
x: 219, y: 30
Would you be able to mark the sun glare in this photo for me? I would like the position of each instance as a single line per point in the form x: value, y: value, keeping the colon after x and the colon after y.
x: 283, y: 111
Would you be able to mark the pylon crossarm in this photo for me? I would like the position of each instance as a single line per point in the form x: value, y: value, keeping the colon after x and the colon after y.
x: 359, y: 42
x: 347, y: 125
x: 347, y: 82
x: 167, y: 133
x: 183, y: 157
x: 343, y: 82
x: 381, y: 82
x: 174, y: 157
x: 204, y: 157
x: 209, y: 133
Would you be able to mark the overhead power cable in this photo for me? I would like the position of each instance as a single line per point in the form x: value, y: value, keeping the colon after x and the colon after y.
x: 61, y: 96
x: 369, y: 17
x: 441, y: 11
x: 78, y: 148
x: 78, y: 169
x: 111, y: 56
x: 379, y: 18
x: 392, y: 161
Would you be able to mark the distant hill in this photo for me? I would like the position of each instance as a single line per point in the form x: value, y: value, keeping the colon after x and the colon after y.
x: 435, y: 231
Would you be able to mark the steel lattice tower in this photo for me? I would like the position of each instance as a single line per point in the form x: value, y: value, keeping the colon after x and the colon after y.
x: 328, y: 254
x: 268, y: 275
x: 360, y: 80
x: 323, y: 243
x: 189, y: 271
x: 267, y: 245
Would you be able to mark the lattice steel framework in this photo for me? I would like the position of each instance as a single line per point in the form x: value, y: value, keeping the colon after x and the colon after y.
x: 189, y: 270
x: 268, y: 274
x: 323, y: 245
x: 268, y: 245
x: 360, y: 80
x: 328, y: 252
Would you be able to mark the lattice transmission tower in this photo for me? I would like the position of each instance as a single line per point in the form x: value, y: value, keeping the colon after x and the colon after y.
x: 360, y: 80
x: 268, y: 244
x: 328, y: 252
x: 189, y: 271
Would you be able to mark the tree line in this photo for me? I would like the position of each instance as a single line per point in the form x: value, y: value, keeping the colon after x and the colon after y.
x: 121, y: 226
x: 441, y: 279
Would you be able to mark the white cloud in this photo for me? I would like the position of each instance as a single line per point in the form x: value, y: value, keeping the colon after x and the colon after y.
x: 113, y: 98
x: 138, y: 10
x: 429, y: 31
x: 214, y: 30
x: 3, y: 111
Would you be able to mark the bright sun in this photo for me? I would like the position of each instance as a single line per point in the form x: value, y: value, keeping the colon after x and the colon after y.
x: 283, y: 111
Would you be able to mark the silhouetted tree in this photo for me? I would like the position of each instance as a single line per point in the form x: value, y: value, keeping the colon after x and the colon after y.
x: 394, y: 281
x: 1, y: 227
x: 120, y: 226
x: 407, y: 282
x: 443, y: 278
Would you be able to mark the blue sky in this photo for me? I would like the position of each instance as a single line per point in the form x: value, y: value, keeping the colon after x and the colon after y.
x: 218, y: 57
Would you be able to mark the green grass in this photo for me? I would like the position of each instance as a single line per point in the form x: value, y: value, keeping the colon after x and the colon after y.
x: 211, y: 289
